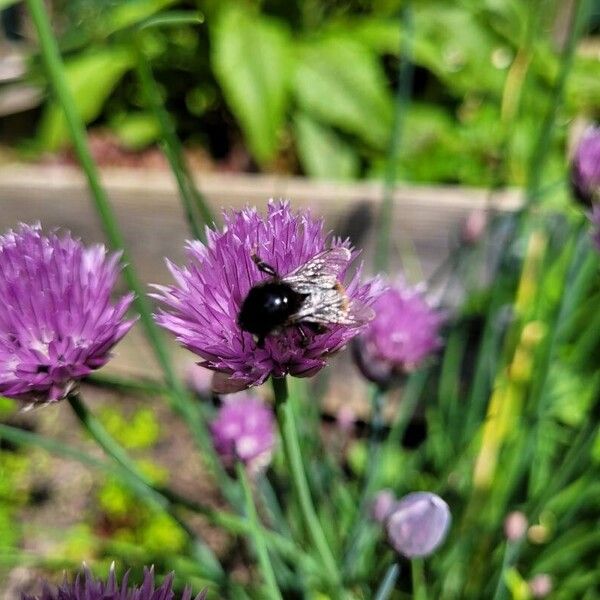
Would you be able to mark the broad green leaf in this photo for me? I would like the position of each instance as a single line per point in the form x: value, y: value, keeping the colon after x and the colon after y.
x: 251, y: 59
x: 136, y: 130
x: 91, y: 78
x: 323, y: 153
x: 6, y: 3
x: 341, y: 82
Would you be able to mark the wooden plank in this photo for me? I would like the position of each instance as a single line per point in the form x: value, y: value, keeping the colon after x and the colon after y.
x: 150, y: 214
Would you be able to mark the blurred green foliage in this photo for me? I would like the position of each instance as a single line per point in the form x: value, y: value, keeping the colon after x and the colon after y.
x: 308, y: 85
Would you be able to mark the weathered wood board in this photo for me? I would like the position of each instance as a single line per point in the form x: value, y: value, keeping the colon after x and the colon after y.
x: 151, y: 217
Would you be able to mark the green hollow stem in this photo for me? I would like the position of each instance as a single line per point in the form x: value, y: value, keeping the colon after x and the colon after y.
x: 543, y: 145
x: 118, y: 454
x: 402, y: 101
x: 179, y: 400
x: 388, y: 582
x: 511, y: 555
x: 291, y: 447
x: 419, y: 588
x: 257, y: 536
x: 195, y: 206
x: 157, y: 496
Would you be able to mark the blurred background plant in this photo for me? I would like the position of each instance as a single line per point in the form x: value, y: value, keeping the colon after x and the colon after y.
x: 263, y: 85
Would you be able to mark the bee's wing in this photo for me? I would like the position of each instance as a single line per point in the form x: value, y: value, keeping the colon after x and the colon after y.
x: 332, y: 307
x: 320, y: 272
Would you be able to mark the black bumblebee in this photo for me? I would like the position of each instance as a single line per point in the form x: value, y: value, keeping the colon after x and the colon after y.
x: 311, y: 295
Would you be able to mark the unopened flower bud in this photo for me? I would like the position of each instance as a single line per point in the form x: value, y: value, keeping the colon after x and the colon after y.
x: 418, y: 524
x: 540, y: 586
x: 515, y: 526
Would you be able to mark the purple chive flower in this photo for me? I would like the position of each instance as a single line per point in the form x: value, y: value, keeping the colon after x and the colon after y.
x: 585, y: 167
x: 85, y: 587
x: 418, y: 524
x: 404, y: 332
x: 244, y: 430
x: 203, y: 307
x: 57, y: 322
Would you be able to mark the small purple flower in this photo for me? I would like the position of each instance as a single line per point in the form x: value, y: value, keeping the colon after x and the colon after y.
x: 57, y: 322
x: 404, y: 332
x: 585, y: 167
x: 244, y: 430
x: 85, y: 587
x: 418, y: 524
x: 203, y: 306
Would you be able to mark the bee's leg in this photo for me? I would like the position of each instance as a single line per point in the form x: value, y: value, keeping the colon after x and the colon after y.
x: 303, y: 336
x: 260, y: 340
x: 263, y: 266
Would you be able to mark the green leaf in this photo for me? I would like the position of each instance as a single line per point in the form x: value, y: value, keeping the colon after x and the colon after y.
x: 174, y: 17
x: 6, y: 3
x: 342, y: 83
x: 128, y: 14
x: 251, y: 60
x: 323, y: 153
x: 91, y: 78
x: 136, y: 130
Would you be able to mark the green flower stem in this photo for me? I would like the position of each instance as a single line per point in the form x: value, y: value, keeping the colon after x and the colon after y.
x: 543, y: 145
x: 93, y: 426
x: 158, y: 497
x: 405, y: 76
x: 117, y: 382
x: 511, y: 555
x: 291, y: 446
x: 357, y: 537
x: 257, y: 536
x: 196, y: 209
x: 179, y: 399
x: 388, y: 582
x: 418, y: 579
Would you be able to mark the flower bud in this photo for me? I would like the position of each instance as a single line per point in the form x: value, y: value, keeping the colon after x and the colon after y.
x: 418, y: 524
x: 515, y: 526
x: 540, y: 586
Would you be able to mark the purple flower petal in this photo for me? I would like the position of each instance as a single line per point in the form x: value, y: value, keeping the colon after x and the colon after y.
x: 85, y: 587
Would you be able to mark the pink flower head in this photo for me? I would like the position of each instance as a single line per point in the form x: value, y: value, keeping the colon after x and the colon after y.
x: 244, y: 430
x: 404, y: 332
x: 57, y: 321
x: 202, y: 308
